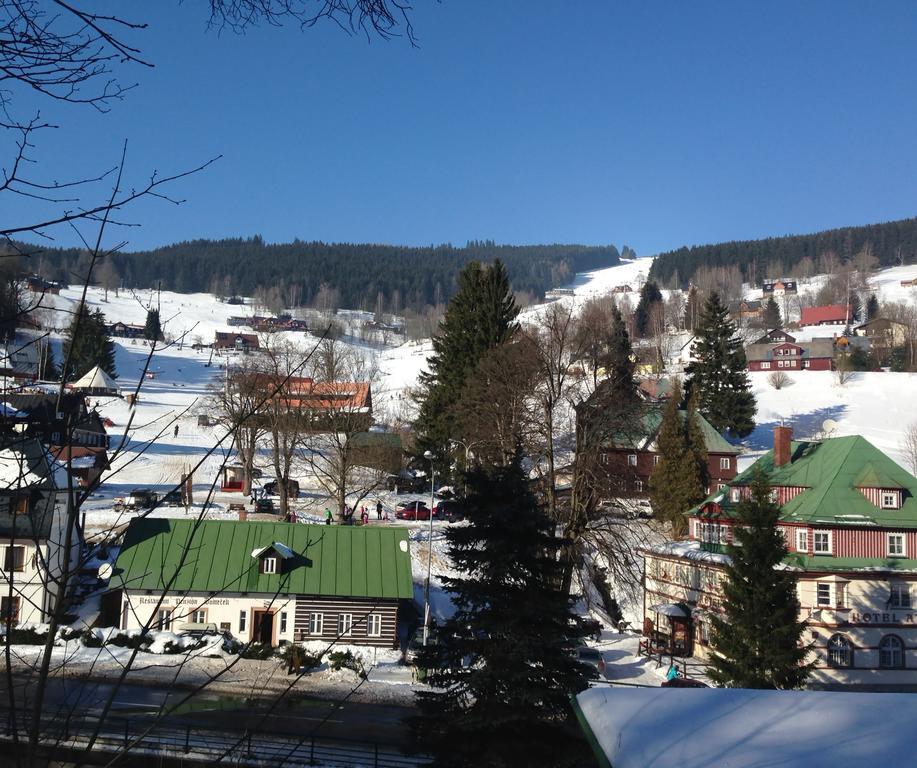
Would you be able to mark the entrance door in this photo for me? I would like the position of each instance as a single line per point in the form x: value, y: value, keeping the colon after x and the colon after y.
x: 263, y: 627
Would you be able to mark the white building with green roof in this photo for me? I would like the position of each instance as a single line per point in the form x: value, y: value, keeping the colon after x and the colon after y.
x: 849, y: 516
x: 264, y: 581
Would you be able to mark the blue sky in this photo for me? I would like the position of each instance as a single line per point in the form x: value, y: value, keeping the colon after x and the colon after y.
x: 521, y: 121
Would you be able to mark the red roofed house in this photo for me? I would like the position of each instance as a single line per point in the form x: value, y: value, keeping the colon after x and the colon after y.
x: 832, y: 314
x: 240, y: 342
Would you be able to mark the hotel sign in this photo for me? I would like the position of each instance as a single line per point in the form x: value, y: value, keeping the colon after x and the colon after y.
x: 885, y: 617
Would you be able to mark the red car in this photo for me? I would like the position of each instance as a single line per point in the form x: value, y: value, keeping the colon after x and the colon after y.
x: 412, y: 510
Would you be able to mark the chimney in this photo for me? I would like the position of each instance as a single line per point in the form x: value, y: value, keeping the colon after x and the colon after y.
x: 782, y: 437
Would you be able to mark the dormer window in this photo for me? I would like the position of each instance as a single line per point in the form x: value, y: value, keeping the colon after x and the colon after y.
x: 268, y: 565
x: 736, y: 494
x: 270, y: 558
x: 890, y: 500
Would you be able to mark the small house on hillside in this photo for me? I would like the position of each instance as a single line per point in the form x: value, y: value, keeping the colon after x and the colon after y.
x: 628, y: 453
x: 126, y: 330
x: 264, y: 582
x: 778, y: 288
x: 36, y: 284
x: 227, y: 341
x: 33, y: 523
x: 746, y: 310
x: 775, y: 336
x: 830, y: 314
x: 883, y: 332
x: 817, y: 355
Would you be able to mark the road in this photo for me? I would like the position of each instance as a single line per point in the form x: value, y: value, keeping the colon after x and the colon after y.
x: 295, y: 715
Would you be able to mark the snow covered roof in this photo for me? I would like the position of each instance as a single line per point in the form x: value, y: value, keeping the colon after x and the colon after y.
x: 695, y: 728
x: 95, y: 378
x: 281, y: 549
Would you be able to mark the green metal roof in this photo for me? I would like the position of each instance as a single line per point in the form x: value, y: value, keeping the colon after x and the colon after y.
x: 332, y: 560
x: 651, y: 421
x: 829, y: 564
x: 832, y: 471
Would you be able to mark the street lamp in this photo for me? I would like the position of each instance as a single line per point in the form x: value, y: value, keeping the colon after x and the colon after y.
x: 467, y: 446
x: 428, y: 455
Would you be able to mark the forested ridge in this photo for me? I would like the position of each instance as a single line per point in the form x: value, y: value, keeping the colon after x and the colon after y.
x: 405, y: 277
x: 892, y: 243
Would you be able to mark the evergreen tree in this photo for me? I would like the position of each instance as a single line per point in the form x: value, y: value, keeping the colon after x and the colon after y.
x: 88, y: 345
x: 856, y: 306
x: 677, y: 482
x: 692, y: 309
x: 152, y: 330
x: 504, y: 671
x: 649, y: 295
x: 872, y: 307
x: 697, y: 446
x: 479, y: 317
x: 772, y: 317
x: 618, y: 360
x: 759, y: 642
x: 718, y: 372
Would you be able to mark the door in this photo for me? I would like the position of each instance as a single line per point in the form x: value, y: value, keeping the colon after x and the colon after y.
x: 263, y: 627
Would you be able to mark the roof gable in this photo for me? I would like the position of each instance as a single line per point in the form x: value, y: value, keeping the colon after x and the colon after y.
x: 342, y: 561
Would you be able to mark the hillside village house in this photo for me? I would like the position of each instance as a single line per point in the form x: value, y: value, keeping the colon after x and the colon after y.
x: 126, y: 330
x: 33, y: 527
x: 628, y: 457
x: 226, y: 341
x: 775, y: 336
x: 883, y: 334
x: 264, y: 582
x: 849, y: 517
x: 830, y: 314
x: 746, y: 310
x: 778, y: 288
x: 815, y: 355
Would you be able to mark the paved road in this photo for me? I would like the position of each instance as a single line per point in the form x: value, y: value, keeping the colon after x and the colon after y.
x: 295, y: 715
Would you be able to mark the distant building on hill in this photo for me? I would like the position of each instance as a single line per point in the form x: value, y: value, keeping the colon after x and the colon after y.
x: 791, y: 356
x: 746, y: 309
x: 775, y: 336
x: 778, y: 288
x: 226, y: 341
x: 830, y: 314
x: 126, y: 330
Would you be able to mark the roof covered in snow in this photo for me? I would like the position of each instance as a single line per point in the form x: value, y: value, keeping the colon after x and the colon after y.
x: 699, y: 728
x: 95, y: 378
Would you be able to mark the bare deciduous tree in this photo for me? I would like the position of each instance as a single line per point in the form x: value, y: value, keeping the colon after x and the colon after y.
x: 909, y: 444
x: 778, y: 379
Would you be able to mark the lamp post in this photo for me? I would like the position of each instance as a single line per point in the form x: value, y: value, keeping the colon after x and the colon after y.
x: 467, y: 447
x: 428, y: 455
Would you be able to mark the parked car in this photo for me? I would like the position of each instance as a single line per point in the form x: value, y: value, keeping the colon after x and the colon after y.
x: 141, y: 498
x: 271, y: 488
x: 412, y: 510
x: 406, y: 482
x: 592, y: 657
x: 449, y: 509
x: 265, y: 506
x: 173, y: 498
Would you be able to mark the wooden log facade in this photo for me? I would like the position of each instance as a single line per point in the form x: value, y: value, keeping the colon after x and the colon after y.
x: 354, y: 621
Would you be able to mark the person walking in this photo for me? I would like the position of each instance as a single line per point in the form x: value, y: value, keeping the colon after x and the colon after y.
x: 328, y: 516
x: 175, y: 432
x: 378, y: 509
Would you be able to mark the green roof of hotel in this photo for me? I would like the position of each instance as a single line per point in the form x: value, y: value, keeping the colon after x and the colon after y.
x: 832, y: 471
x: 328, y: 560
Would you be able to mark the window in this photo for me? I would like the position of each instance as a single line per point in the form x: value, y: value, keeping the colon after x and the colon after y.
x: 632, y: 460
x: 895, y: 544
x: 164, y: 619
x: 891, y: 652
x: 655, y: 460
x: 283, y: 621
x: 199, y: 616
x: 243, y: 616
x: 736, y: 494
x: 889, y: 500
x: 899, y: 595
x: 638, y: 486
x: 720, y: 486
x: 773, y: 496
x: 821, y: 542
x: 840, y: 653
x: 374, y: 625
x: 21, y: 506
x: 765, y: 366
x: 269, y: 565
x: 726, y: 463
x: 316, y: 623
x: 9, y: 610
x: 345, y: 624
x: 802, y: 540
x: 822, y: 594
x: 14, y: 559
x: 225, y: 626
x: 603, y: 458
x: 805, y: 363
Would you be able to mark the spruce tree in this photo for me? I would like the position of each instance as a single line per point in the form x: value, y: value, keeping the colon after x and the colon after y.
x: 872, y: 307
x: 697, y: 446
x: 677, y: 482
x: 480, y: 316
x: 88, y: 345
x: 649, y: 296
x: 152, y: 330
x: 618, y: 360
x: 856, y: 306
x: 772, y: 317
x: 758, y: 642
x: 718, y: 373
x: 504, y: 671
